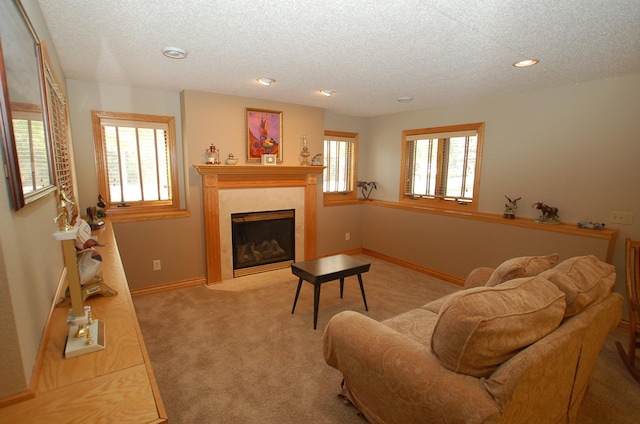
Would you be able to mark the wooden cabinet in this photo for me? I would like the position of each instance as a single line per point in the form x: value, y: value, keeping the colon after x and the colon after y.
x: 112, y: 385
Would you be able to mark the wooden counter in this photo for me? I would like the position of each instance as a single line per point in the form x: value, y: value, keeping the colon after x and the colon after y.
x: 112, y: 385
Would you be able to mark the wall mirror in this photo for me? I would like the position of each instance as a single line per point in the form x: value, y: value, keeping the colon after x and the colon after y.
x: 23, y: 113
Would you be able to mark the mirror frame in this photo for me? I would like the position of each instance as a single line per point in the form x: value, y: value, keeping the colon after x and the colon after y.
x: 18, y: 197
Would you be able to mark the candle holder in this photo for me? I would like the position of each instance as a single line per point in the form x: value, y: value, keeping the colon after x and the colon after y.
x: 304, y: 154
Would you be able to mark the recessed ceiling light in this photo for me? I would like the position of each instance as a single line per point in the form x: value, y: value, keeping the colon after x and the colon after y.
x: 174, y: 52
x: 266, y: 81
x: 525, y: 63
x: 405, y: 99
x: 328, y: 93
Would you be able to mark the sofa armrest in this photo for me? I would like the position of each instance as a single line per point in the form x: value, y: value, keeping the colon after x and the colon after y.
x: 391, y: 378
x: 478, y: 277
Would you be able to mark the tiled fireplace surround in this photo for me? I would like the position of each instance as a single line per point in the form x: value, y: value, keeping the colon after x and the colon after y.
x: 249, y: 188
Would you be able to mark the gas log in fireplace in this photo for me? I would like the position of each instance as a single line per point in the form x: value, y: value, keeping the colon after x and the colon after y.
x: 262, y: 241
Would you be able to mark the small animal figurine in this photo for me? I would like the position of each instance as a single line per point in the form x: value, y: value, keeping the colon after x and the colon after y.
x: 548, y: 214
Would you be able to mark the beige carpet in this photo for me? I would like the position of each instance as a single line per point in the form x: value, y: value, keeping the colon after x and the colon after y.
x: 235, y: 353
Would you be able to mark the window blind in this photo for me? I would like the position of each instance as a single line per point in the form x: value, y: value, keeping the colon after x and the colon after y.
x: 60, y: 135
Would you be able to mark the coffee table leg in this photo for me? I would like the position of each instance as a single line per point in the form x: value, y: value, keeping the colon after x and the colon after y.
x: 316, y: 301
x: 297, y: 293
x: 341, y: 287
x: 362, y: 290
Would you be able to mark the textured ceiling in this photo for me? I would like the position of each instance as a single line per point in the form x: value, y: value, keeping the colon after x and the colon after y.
x: 370, y: 51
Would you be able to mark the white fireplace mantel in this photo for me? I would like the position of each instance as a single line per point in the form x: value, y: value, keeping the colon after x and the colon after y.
x: 228, y: 177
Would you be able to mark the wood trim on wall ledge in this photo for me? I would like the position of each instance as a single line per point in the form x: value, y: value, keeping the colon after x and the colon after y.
x: 609, y: 234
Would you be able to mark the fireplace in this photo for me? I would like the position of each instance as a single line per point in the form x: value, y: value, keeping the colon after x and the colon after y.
x: 262, y: 241
x: 241, y: 188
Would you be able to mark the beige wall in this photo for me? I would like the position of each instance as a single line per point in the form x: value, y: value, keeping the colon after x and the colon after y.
x: 204, y: 118
x: 548, y: 148
x: 85, y: 96
x: 30, y: 266
x: 574, y: 147
x: 335, y: 221
x: 142, y: 242
x: 455, y: 246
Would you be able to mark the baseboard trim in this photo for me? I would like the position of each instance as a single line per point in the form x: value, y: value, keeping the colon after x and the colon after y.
x: 442, y: 276
x: 168, y: 286
x: 350, y: 252
x: 17, y: 398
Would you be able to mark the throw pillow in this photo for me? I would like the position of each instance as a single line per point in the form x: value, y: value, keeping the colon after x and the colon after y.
x: 584, y: 280
x: 480, y: 328
x: 525, y: 266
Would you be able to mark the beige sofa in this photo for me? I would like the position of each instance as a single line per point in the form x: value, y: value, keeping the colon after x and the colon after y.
x: 518, y: 345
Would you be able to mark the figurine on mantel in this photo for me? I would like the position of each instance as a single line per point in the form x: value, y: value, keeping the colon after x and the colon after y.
x: 213, y: 155
x: 231, y: 160
x: 304, y: 154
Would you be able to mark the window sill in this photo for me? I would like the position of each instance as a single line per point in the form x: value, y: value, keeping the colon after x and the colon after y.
x: 340, y: 202
x: 339, y: 199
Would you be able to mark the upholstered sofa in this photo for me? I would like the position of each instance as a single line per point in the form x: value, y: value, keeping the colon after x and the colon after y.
x: 518, y: 344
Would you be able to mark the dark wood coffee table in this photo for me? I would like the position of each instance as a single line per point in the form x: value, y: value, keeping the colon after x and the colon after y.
x: 322, y: 270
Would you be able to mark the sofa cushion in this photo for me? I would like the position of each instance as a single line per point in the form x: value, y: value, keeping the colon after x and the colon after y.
x: 417, y: 324
x: 480, y: 328
x: 478, y: 277
x: 435, y: 305
x: 584, y: 280
x: 524, y: 266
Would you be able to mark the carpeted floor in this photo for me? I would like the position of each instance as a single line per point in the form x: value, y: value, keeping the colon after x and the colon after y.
x: 234, y: 353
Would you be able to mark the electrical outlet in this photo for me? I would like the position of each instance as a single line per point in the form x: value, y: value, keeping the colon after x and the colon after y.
x: 157, y: 266
x: 619, y: 217
x: 347, y: 236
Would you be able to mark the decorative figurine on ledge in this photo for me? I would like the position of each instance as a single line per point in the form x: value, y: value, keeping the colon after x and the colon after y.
x: 510, y: 208
x: 591, y: 225
x: 366, y: 187
x: 317, y: 160
x: 65, y: 210
x: 548, y: 214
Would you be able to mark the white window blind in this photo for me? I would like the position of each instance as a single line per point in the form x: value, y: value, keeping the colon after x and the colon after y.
x: 338, y: 160
x: 137, y: 158
x: 60, y: 135
x: 441, y: 165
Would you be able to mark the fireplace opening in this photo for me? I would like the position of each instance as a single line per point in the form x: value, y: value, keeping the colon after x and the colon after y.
x: 262, y: 241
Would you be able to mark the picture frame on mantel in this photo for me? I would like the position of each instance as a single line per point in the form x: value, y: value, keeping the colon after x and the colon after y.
x: 264, y: 134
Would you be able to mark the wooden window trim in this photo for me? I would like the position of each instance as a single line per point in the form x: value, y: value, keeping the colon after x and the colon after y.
x: 161, y: 208
x: 350, y: 197
x: 441, y: 203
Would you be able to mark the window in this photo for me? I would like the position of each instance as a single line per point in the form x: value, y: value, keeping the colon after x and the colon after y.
x: 32, y: 148
x: 340, y: 151
x: 441, y: 166
x: 137, y: 170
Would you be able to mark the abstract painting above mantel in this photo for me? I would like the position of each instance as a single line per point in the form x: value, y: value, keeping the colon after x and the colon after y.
x: 264, y: 134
